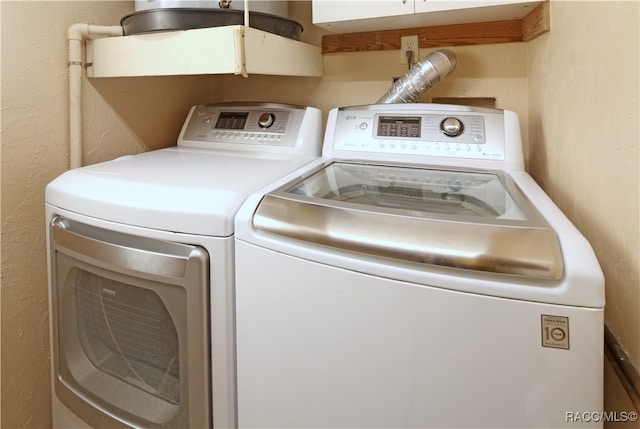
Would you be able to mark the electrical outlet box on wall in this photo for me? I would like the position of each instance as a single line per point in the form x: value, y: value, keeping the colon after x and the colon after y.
x: 409, y: 44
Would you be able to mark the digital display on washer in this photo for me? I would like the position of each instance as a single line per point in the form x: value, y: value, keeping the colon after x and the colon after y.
x: 399, y: 126
x: 232, y: 120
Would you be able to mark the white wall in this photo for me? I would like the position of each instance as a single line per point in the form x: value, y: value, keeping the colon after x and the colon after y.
x: 34, y: 151
x: 584, y: 140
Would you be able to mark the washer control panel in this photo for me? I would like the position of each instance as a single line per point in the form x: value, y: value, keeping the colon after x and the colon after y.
x: 437, y: 128
x: 422, y: 129
x: 252, y: 124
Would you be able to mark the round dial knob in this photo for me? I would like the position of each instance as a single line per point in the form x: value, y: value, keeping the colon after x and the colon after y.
x: 266, y: 120
x: 452, y: 127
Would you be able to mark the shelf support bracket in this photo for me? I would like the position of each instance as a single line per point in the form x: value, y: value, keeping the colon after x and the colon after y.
x: 241, y: 59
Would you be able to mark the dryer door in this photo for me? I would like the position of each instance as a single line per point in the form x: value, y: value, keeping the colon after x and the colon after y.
x: 477, y: 220
x: 130, y: 328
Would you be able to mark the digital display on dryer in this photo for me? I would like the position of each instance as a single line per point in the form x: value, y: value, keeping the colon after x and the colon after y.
x: 399, y: 126
x: 232, y: 120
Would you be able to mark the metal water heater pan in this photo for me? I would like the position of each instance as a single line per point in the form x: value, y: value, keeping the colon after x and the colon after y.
x: 173, y: 19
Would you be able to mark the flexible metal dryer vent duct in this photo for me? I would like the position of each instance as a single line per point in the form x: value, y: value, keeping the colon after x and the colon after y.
x: 422, y: 76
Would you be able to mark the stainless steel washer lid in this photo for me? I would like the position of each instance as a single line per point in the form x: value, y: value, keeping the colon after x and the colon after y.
x: 185, y: 190
x: 476, y: 220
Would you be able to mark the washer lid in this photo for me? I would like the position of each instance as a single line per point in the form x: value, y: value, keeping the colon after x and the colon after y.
x: 477, y: 220
x: 176, y: 189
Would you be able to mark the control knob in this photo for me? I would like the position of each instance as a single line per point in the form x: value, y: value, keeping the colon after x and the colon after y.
x: 266, y: 120
x: 451, y: 127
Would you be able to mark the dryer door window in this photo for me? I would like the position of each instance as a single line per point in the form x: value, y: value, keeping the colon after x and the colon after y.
x: 124, y: 331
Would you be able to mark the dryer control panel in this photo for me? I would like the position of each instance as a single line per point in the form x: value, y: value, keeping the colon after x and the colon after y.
x: 264, y: 127
x: 424, y: 130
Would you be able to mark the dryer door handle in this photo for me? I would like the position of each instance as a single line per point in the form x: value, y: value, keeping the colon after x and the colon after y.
x: 120, y: 251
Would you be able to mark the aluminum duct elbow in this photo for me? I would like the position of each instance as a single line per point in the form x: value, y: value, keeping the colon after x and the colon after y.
x: 422, y: 76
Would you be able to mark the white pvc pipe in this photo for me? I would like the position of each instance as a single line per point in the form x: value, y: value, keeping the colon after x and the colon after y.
x: 76, y: 34
x: 246, y: 13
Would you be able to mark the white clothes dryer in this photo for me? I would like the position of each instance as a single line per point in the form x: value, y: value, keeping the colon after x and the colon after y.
x: 141, y: 268
x: 415, y: 276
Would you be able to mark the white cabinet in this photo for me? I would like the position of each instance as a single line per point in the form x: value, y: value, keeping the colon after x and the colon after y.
x: 353, y: 16
x: 234, y: 49
x: 328, y: 11
x: 467, y: 11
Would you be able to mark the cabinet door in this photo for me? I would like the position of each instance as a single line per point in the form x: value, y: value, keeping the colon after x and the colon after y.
x: 466, y: 11
x: 352, y: 16
x: 338, y: 13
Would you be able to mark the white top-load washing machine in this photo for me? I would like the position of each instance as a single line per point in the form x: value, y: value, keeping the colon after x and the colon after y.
x: 416, y: 276
x: 141, y: 268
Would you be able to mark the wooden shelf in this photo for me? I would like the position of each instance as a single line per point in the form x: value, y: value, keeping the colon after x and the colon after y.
x: 536, y: 23
x: 233, y: 49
